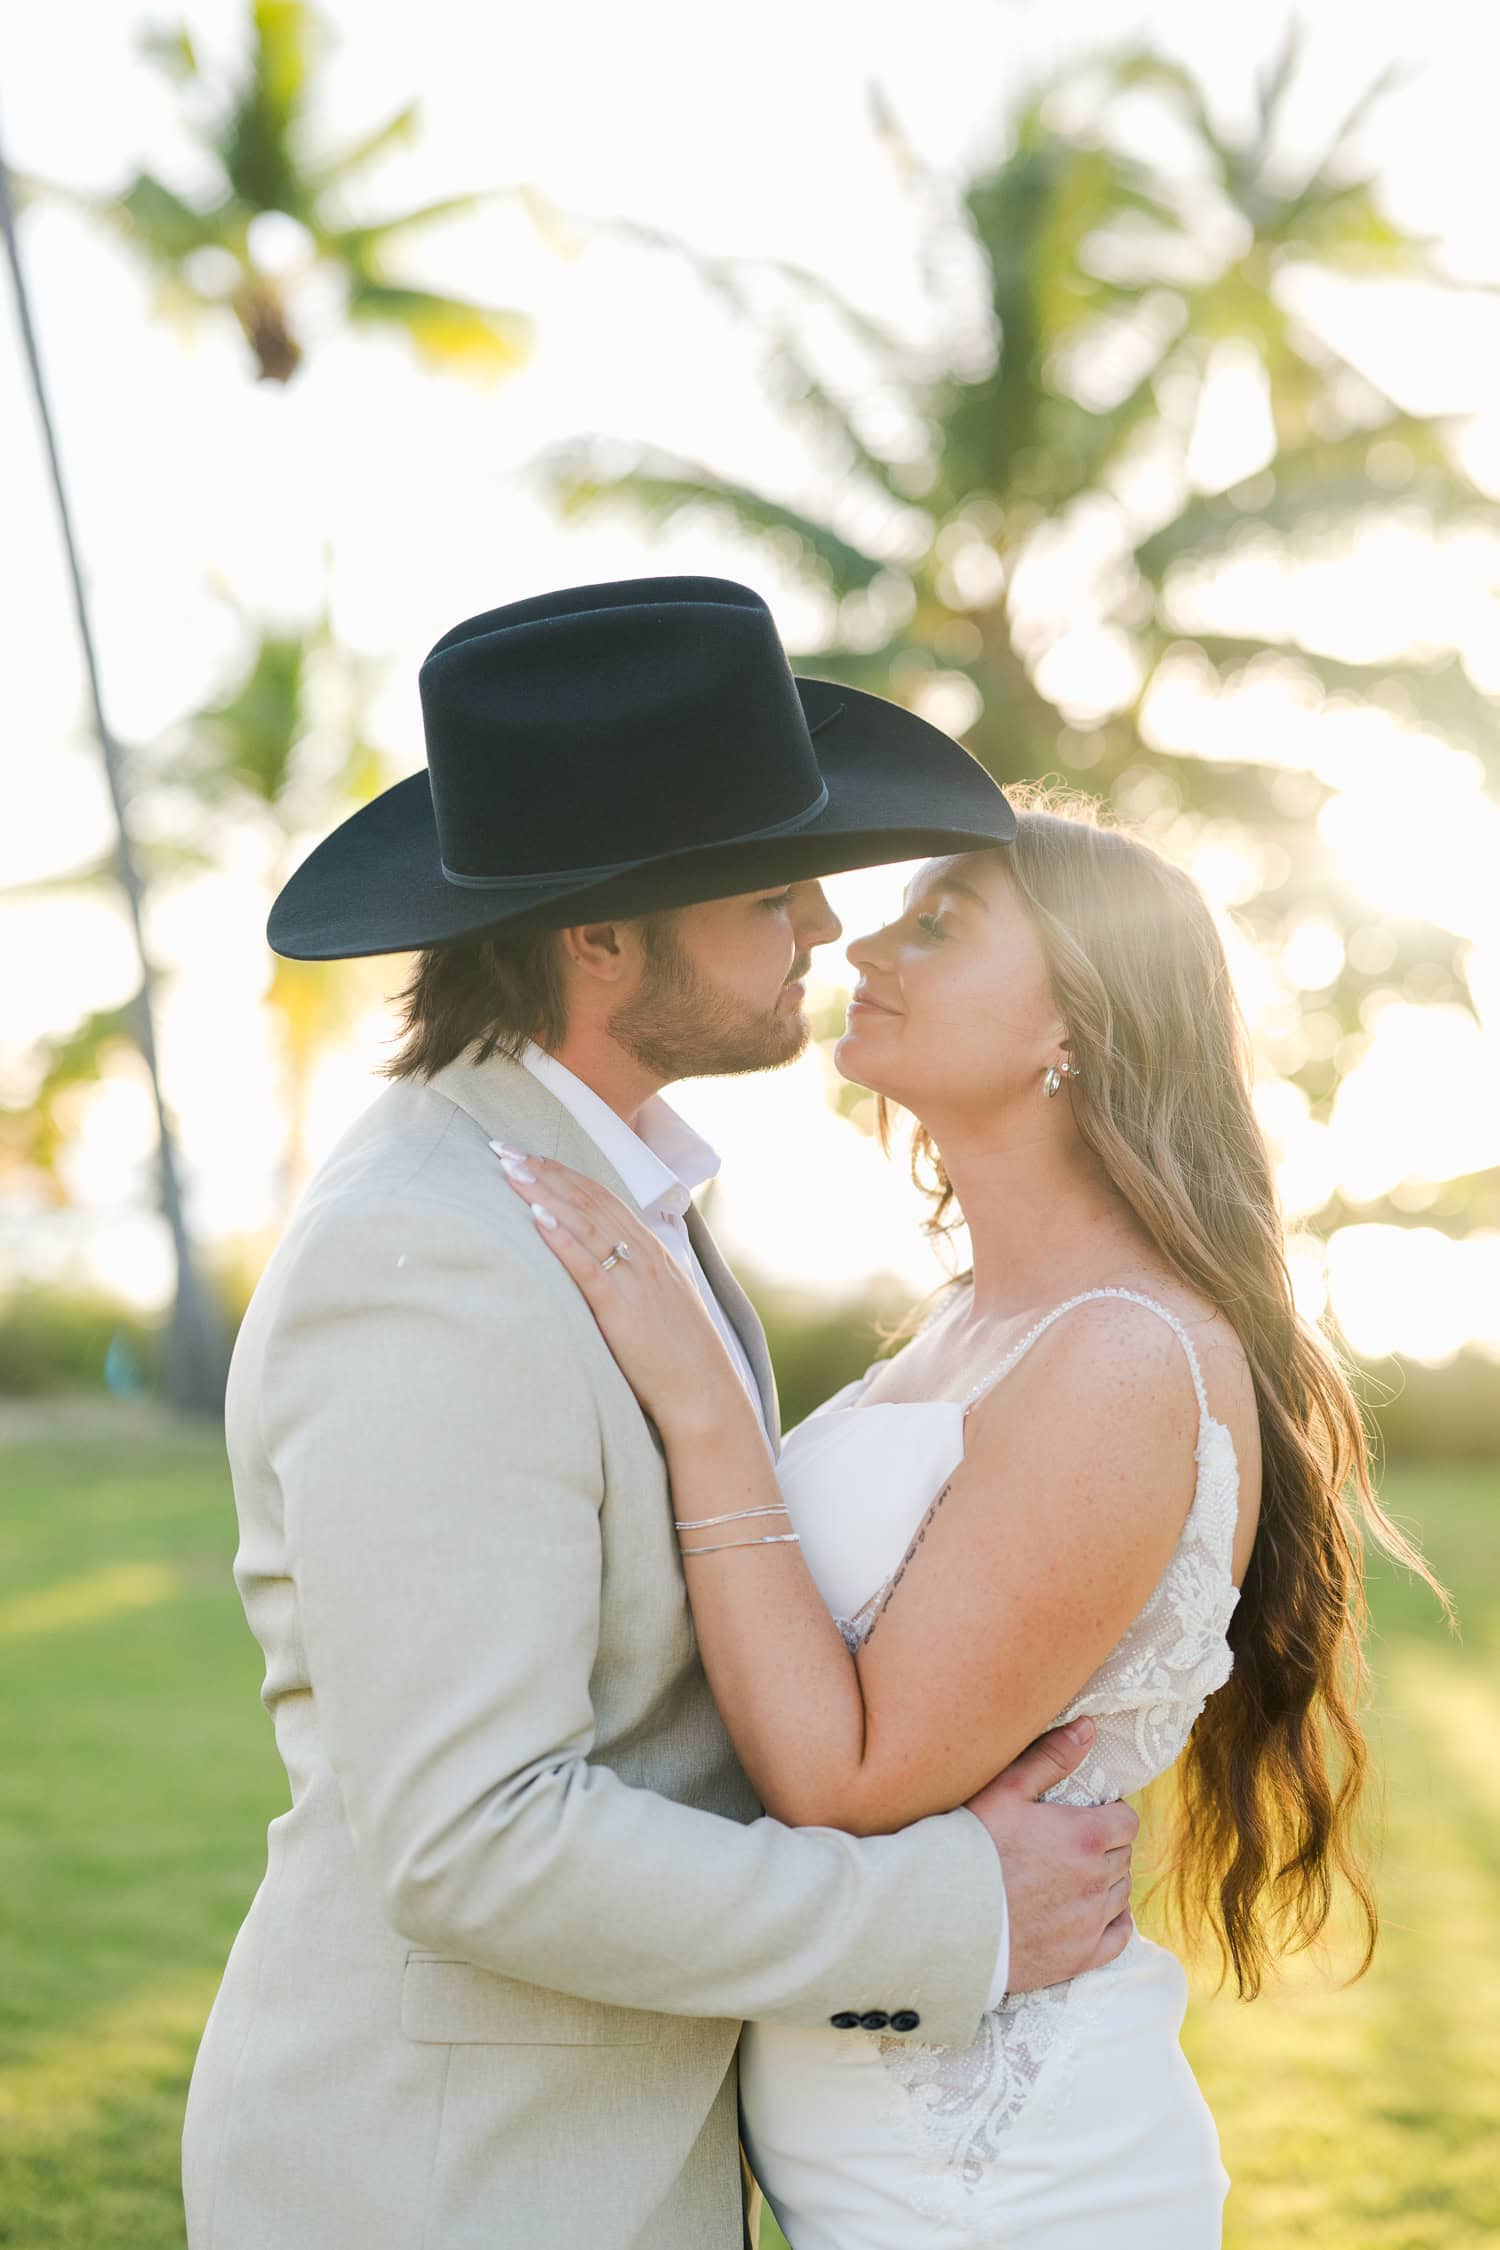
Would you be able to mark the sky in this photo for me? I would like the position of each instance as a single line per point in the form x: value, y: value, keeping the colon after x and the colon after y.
x: 406, y: 504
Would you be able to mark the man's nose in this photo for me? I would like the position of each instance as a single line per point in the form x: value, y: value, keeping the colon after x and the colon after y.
x: 818, y: 924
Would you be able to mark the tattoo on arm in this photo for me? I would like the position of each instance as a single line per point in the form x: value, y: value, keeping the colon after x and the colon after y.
x: 900, y: 1572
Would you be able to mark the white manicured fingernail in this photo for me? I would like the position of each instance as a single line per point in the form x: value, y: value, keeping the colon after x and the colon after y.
x: 542, y: 1215
x: 514, y: 1169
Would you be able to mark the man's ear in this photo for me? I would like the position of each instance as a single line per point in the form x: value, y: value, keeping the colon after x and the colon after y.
x: 604, y: 951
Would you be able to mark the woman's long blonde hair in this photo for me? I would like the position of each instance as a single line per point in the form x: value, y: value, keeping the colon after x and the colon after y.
x: 1268, y: 1787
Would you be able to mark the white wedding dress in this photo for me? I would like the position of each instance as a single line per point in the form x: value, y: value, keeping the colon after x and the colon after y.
x: 1072, y: 2120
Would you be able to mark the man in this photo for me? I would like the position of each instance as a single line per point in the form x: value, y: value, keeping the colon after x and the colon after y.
x: 490, y: 1989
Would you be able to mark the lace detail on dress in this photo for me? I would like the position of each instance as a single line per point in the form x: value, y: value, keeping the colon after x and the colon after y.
x: 963, y: 2098
x: 1143, y: 1700
x: 853, y: 1631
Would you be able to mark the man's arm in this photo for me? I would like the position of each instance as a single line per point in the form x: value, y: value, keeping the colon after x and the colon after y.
x: 430, y: 1418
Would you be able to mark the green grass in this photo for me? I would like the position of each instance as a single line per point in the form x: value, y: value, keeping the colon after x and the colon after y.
x: 137, y: 1774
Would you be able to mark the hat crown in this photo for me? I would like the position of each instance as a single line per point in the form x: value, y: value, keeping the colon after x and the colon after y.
x: 613, y: 722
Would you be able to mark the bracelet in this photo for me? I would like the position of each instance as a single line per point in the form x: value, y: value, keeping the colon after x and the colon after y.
x: 706, y: 1523
x: 777, y: 1539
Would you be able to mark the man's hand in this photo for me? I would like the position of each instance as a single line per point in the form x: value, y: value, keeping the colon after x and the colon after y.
x: 1067, y: 1867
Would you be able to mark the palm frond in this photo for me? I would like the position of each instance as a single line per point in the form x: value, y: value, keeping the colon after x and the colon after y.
x: 360, y: 247
x: 172, y: 52
x: 258, y: 142
x: 1210, y: 526
x: 1145, y: 67
x: 162, y: 859
x: 789, y: 372
x: 398, y: 131
x: 448, y: 332
x: 734, y: 278
x: 1386, y: 82
x: 1436, y: 694
x: 1346, y: 229
x: 157, y: 221
x: 1273, y: 84
x: 667, y: 488
x: 246, y: 743
x: 1424, y: 445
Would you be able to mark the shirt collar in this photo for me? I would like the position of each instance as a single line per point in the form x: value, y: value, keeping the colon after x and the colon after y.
x: 661, y: 1161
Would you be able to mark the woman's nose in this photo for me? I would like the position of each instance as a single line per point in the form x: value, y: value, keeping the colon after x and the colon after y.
x: 862, y: 952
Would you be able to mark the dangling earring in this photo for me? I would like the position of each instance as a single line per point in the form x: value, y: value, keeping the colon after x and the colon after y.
x: 1053, y: 1076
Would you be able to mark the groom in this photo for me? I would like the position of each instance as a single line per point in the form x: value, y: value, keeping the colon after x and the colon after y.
x: 489, y: 1991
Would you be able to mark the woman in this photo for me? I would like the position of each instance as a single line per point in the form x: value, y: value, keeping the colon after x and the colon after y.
x: 1106, y: 1478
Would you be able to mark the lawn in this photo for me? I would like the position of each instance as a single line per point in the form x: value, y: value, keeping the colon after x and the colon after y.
x: 137, y: 1774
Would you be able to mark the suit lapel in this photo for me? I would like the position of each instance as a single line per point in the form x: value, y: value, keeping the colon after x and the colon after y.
x: 507, y: 1103
x: 742, y: 1316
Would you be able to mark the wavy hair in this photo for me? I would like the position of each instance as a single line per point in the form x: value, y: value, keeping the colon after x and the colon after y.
x: 1264, y: 1820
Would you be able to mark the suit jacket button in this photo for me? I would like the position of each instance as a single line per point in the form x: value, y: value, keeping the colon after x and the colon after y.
x: 875, y: 2020
x: 846, y: 2020
x: 906, y: 2019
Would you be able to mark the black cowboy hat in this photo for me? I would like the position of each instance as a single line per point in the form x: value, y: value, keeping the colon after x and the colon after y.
x: 612, y: 750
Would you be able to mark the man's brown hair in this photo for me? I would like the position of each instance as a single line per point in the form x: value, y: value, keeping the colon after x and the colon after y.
x: 499, y: 990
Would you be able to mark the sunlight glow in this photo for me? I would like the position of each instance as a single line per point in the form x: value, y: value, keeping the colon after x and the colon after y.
x: 1416, y: 1291
x: 69, y: 2084
x: 1424, y: 1103
x: 282, y: 506
x: 88, y: 1600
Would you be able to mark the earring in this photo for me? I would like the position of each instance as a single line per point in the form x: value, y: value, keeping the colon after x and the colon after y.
x: 1053, y: 1076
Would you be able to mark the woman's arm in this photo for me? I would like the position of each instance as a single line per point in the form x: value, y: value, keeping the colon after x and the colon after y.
x: 1024, y: 1573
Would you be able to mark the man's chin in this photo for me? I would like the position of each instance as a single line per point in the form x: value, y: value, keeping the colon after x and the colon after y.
x: 779, y: 1041
x: 799, y: 1033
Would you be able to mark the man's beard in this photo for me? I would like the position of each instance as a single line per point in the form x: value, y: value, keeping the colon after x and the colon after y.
x: 681, y: 1025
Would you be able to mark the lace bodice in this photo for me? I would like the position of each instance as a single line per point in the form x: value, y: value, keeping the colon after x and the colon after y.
x: 857, y: 1481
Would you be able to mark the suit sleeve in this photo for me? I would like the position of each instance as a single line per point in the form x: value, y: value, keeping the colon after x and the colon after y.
x: 431, y: 1423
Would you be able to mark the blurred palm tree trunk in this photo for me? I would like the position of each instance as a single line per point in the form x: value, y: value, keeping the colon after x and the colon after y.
x: 193, y: 1374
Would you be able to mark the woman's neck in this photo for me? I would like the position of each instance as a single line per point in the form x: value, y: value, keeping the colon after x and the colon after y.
x: 1042, y: 1219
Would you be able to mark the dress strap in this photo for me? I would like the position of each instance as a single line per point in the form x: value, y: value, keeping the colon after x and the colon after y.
x: 1087, y: 1296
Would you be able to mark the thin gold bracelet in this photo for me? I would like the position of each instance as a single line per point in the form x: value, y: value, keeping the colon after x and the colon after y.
x: 706, y: 1523
x: 777, y: 1539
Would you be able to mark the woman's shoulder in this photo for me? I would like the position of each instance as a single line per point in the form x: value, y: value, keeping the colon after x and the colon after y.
x: 1114, y: 1336
x: 1115, y: 1352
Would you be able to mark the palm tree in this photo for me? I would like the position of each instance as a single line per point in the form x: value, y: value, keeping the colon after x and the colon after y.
x: 282, y: 753
x: 33, y: 1139
x: 224, y: 254
x: 194, y: 1360
x: 279, y: 754
x: 1112, y: 292
x: 279, y: 210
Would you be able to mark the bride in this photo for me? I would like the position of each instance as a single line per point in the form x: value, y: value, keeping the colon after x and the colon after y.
x: 1107, y: 1477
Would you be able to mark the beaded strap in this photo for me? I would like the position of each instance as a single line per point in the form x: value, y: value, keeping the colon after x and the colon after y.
x: 1134, y: 1296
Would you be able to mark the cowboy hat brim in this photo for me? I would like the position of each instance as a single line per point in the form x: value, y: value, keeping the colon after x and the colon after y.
x: 897, y: 789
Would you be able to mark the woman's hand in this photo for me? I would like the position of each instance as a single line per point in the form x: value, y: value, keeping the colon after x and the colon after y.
x: 647, y: 1306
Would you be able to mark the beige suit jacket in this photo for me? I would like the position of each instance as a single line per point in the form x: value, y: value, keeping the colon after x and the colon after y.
x: 489, y: 1990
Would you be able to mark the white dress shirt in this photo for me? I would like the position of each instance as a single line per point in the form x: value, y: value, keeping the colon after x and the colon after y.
x: 661, y: 1162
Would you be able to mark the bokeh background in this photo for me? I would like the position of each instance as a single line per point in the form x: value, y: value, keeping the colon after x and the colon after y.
x: 1117, y: 386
